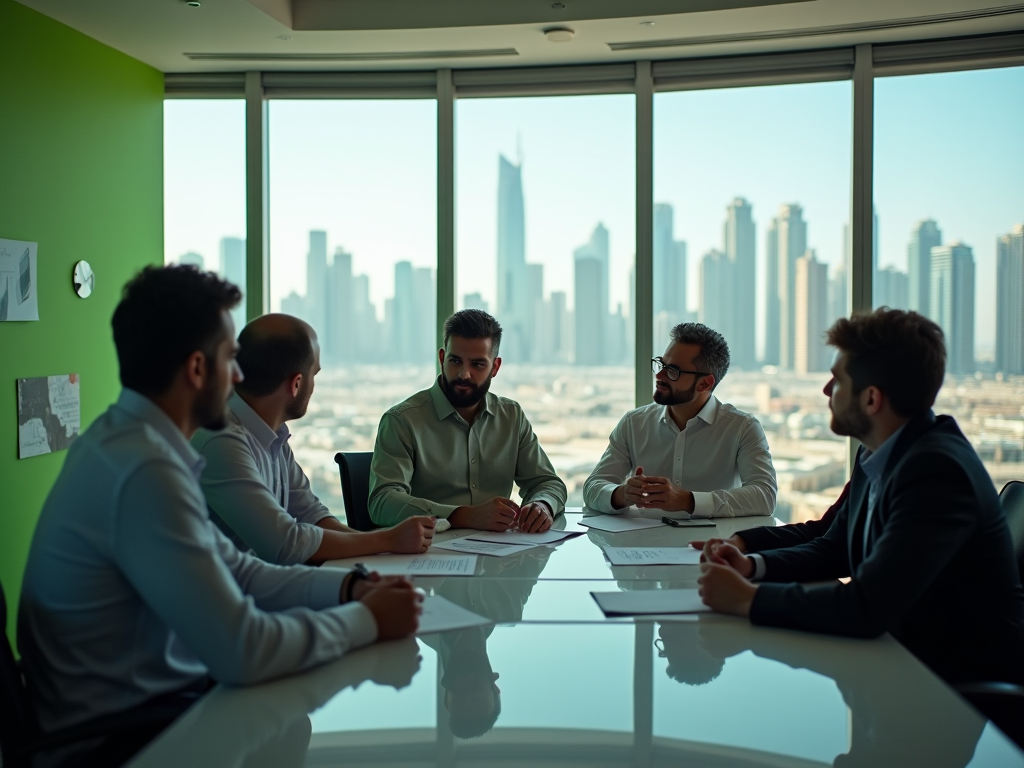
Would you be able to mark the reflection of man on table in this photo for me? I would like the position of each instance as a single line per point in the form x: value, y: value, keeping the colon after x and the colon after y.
x: 472, y: 696
x: 687, y: 451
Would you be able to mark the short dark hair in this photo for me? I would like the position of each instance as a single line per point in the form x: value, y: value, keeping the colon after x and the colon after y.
x: 165, y: 315
x: 714, y: 351
x: 473, y: 324
x: 268, y: 360
x: 901, y: 353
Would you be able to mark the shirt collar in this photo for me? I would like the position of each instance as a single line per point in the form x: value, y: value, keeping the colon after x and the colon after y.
x: 707, y: 414
x: 144, y: 409
x: 443, y: 407
x: 253, y: 422
x: 873, y: 462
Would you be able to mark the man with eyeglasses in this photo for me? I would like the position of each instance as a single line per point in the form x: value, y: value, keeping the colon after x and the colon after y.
x: 454, y: 450
x: 687, y: 451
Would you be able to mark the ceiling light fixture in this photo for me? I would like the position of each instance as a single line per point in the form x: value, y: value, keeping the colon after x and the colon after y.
x: 647, y: 23
x: 283, y: 37
x: 193, y: 3
x: 558, y: 6
x: 559, y: 35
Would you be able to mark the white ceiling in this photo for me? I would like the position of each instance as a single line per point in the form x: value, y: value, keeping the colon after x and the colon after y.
x: 163, y: 32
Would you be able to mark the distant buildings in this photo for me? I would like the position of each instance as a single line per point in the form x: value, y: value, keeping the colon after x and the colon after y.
x: 923, y: 238
x: 810, y: 315
x: 891, y: 288
x: 951, y: 302
x: 1010, y: 301
x: 791, y: 243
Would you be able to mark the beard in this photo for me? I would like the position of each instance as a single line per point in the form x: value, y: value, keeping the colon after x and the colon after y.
x: 850, y: 422
x: 210, y: 410
x: 466, y: 399
x: 298, y: 407
x: 669, y: 397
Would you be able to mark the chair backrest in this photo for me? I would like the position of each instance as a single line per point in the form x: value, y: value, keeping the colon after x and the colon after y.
x: 17, y: 725
x: 1011, y: 499
x: 355, y: 488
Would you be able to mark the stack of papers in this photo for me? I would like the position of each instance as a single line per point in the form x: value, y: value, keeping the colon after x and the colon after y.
x: 653, y: 555
x: 619, y: 523
x: 413, y: 565
x: 442, y: 615
x: 495, y: 549
x: 650, y: 602
x: 501, y: 544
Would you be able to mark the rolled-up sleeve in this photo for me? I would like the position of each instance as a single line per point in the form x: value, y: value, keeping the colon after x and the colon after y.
x: 758, y: 486
x: 391, y: 473
x: 238, y: 495
x: 247, y: 621
x: 614, y: 467
x: 535, y: 474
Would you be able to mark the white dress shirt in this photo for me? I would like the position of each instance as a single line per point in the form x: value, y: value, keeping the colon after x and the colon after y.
x: 130, y: 592
x: 257, y: 493
x: 721, y: 456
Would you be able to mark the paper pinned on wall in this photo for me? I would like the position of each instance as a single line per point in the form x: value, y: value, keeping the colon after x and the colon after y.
x: 49, y: 414
x: 19, y: 292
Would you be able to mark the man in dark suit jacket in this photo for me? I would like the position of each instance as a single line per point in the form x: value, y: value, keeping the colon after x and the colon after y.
x: 921, y: 534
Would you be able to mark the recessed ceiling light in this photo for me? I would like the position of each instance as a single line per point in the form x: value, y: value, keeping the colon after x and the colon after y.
x: 559, y: 35
x: 193, y: 3
x: 558, y: 6
x: 647, y: 23
x: 283, y: 37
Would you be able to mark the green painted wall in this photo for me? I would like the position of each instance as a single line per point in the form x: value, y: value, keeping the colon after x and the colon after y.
x: 81, y: 173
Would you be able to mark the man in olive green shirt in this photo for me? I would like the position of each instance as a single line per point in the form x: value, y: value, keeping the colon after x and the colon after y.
x: 453, y: 450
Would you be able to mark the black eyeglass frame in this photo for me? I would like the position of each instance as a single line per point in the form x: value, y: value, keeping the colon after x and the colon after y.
x: 658, y: 365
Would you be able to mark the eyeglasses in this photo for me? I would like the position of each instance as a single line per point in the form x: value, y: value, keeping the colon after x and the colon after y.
x: 658, y: 365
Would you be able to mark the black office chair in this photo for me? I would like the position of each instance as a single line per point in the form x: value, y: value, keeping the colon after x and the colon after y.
x: 1003, y: 703
x: 355, y: 488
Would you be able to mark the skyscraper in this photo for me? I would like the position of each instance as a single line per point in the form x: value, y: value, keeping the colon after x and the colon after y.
x: 339, y: 340
x: 740, y: 251
x: 891, y: 288
x: 590, y: 321
x: 511, y: 308
x: 402, y: 317
x: 316, y: 280
x: 792, y: 244
x: 365, y: 326
x: 810, y: 315
x: 424, y: 321
x: 772, y: 313
x: 951, y: 303
x: 717, y: 289
x: 232, y: 269
x: 923, y: 238
x: 838, y: 290
x: 1010, y: 301
x: 669, y: 267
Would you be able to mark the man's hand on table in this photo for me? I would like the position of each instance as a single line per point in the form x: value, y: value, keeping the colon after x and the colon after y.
x: 495, y: 514
x: 395, y: 604
x: 724, y: 583
x: 411, y: 536
x: 535, y: 517
x: 652, y: 492
x: 737, y: 541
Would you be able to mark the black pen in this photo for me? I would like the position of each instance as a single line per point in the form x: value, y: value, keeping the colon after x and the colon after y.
x: 699, y: 523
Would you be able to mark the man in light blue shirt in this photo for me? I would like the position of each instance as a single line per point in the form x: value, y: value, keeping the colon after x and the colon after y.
x: 130, y: 593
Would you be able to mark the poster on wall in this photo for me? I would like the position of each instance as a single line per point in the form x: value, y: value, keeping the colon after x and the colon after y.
x: 19, y: 289
x: 49, y: 414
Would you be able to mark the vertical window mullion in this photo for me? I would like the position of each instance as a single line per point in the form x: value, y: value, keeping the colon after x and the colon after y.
x: 644, y: 265
x: 257, y: 198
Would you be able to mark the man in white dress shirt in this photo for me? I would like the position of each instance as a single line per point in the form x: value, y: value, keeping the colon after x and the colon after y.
x: 130, y: 594
x: 687, y: 451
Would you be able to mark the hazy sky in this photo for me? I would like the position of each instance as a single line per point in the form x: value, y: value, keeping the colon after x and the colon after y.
x: 947, y: 146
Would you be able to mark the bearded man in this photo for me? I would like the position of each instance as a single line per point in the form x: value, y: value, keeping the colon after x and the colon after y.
x: 454, y: 450
x: 687, y: 451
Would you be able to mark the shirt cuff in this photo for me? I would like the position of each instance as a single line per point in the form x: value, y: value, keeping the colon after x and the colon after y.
x: 326, y: 589
x: 361, y: 624
x: 313, y: 538
x: 443, y: 511
x: 556, y: 506
x: 759, y: 567
x: 603, y: 502
x: 703, y: 504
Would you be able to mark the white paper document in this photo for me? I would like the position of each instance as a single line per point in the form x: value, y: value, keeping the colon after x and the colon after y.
x: 441, y: 615
x: 493, y: 548
x: 650, y: 602
x: 653, y: 555
x: 619, y: 523
x: 518, y: 537
x: 413, y: 565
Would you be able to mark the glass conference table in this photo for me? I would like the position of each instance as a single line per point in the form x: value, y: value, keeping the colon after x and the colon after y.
x: 555, y: 683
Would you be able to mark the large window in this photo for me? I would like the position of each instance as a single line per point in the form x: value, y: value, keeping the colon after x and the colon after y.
x: 752, y: 197
x: 545, y: 204
x: 204, y: 187
x: 948, y: 164
x: 353, y: 222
